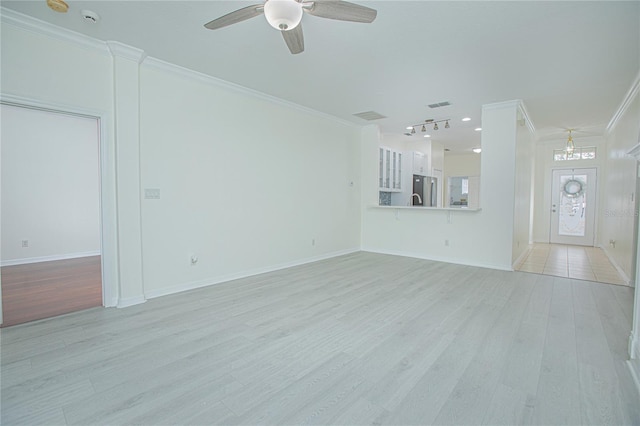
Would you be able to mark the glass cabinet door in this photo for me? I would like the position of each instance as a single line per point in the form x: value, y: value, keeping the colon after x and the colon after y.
x: 381, y: 169
x: 387, y: 168
x: 398, y: 174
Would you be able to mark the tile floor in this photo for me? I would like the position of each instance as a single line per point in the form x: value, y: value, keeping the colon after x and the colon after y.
x: 579, y: 262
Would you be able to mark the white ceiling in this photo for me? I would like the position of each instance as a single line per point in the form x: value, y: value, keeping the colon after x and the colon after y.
x: 570, y: 62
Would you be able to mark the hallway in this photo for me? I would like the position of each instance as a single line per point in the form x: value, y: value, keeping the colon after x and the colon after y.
x: 579, y: 262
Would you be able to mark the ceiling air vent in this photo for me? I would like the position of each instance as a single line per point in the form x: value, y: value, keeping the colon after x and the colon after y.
x: 440, y: 104
x: 370, y: 115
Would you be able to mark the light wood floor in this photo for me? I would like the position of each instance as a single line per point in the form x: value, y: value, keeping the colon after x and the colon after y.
x: 579, y: 262
x: 359, y: 339
x: 46, y: 289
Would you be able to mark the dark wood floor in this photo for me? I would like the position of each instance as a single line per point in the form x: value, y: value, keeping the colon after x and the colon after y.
x: 42, y: 290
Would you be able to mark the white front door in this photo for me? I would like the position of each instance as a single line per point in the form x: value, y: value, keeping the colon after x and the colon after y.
x: 573, y: 206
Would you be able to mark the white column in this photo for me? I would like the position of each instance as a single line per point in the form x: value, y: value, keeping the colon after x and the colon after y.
x: 370, y: 141
x: 634, y: 337
x: 498, y: 172
x: 126, y: 107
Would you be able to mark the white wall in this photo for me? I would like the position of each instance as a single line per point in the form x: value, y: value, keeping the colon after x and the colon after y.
x: 71, y: 76
x: 242, y: 197
x: 481, y: 238
x: 523, y: 190
x: 437, y: 156
x: 618, y: 214
x: 50, y: 186
x: 458, y: 164
x: 544, y: 166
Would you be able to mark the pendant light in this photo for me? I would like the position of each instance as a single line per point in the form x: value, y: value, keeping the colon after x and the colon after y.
x: 570, y: 145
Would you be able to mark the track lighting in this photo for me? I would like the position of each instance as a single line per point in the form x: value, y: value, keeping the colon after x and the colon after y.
x: 423, y: 126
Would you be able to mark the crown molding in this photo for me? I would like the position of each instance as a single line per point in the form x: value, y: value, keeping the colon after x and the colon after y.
x: 125, y: 51
x: 117, y: 49
x: 631, y: 95
x: 519, y: 105
x: 527, y: 119
x: 502, y: 105
x: 189, y: 74
x: 635, y: 152
x: 36, y: 26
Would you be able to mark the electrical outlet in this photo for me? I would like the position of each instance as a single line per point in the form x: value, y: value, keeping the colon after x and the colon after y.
x: 25, y: 243
x: 152, y: 193
x: 194, y: 259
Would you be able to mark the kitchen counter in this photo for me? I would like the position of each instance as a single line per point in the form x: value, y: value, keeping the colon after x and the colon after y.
x: 446, y: 209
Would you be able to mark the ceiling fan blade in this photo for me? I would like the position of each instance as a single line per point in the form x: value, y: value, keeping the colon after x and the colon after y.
x: 236, y: 16
x: 340, y: 10
x: 294, y: 39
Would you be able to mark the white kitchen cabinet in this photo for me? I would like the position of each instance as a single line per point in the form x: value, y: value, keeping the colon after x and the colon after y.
x: 420, y: 163
x: 390, y: 170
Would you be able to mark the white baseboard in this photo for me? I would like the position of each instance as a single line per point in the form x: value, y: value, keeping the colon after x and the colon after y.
x: 634, y: 346
x: 151, y: 294
x: 621, y: 272
x: 634, y: 368
x: 439, y: 259
x: 520, y: 258
x: 27, y: 260
x: 130, y: 301
x: 112, y: 303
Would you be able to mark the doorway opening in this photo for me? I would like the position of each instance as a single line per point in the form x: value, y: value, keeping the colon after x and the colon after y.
x: 51, y: 213
x: 573, y: 206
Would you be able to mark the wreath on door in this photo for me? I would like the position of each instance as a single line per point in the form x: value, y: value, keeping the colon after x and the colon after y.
x: 573, y: 188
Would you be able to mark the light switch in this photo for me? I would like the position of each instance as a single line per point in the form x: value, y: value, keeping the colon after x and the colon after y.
x: 152, y: 193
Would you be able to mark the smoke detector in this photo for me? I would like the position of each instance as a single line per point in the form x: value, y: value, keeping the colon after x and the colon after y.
x: 90, y: 16
x: 58, y: 5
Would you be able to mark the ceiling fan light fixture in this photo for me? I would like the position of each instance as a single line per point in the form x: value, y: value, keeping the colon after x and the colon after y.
x: 435, y: 126
x: 58, y: 6
x: 283, y: 15
x: 424, y: 128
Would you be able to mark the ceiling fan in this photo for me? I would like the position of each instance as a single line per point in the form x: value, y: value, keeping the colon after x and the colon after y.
x: 285, y: 16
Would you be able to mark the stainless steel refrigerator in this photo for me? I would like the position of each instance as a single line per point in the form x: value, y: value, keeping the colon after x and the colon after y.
x: 426, y: 187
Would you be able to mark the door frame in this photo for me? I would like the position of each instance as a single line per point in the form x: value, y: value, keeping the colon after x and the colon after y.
x: 108, y: 222
x: 596, y: 201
